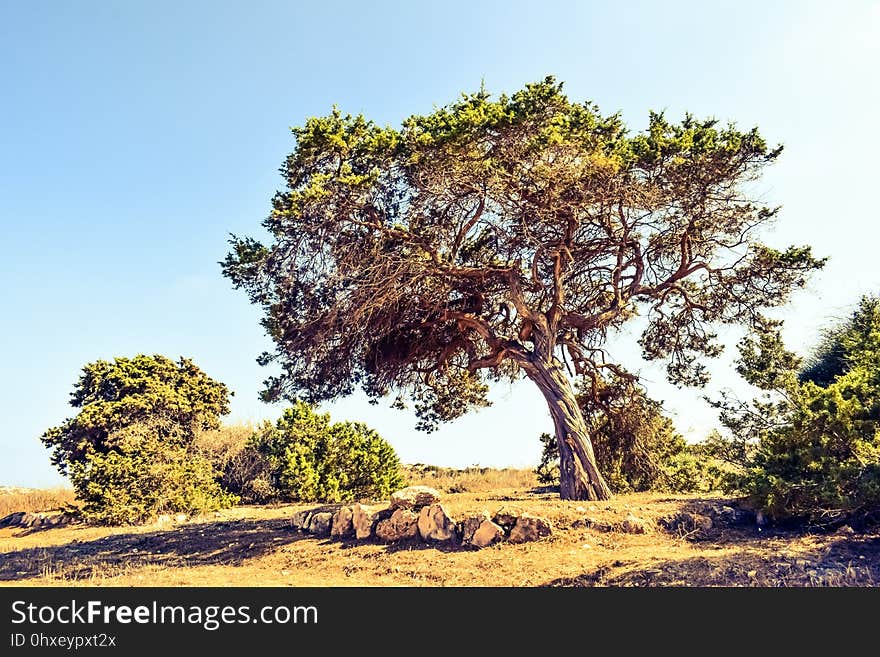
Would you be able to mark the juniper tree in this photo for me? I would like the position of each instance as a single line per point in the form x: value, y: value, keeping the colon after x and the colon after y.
x: 499, y: 238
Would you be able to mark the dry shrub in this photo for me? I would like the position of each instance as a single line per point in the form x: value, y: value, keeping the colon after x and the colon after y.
x: 243, y: 470
x: 35, y: 500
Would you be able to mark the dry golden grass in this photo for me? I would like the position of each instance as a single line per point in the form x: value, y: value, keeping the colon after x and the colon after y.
x: 255, y: 546
x: 469, y: 480
x: 22, y: 499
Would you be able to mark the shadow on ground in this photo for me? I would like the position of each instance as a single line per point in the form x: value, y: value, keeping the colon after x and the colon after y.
x: 184, y: 546
x: 844, y: 561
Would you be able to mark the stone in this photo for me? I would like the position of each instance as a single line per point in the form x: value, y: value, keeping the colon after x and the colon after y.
x: 319, y: 523
x: 300, y: 519
x: 341, y: 525
x: 469, y: 526
x: 414, y: 497
x: 403, y: 524
x: 507, y: 516
x: 634, y: 525
x: 488, y: 533
x: 435, y: 524
x: 688, y: 522
x: 845, y: 530
x: 181, y: 517
x: 364, y: 519
x: 163, y: 519
x: 13, y: 519
x: 529, y: 528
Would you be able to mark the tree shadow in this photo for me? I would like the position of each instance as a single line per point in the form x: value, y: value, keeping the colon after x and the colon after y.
x: 850, y: 561
x: 184, y: 546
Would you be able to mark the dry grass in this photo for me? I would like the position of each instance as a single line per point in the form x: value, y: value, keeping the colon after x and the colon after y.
x: 28, y: 499
x: 469, y: 480
x: 256, y: 546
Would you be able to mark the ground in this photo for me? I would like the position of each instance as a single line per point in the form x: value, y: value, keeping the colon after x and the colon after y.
x: 256, y: 546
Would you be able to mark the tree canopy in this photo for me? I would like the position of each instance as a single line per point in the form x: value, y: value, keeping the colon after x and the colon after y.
x: 499, y: 237
x: 127, y: 451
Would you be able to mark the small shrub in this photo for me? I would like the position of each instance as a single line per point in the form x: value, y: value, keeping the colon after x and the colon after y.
x: 311, y: 459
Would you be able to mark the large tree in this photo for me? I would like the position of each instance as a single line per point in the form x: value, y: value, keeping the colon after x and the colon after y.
x: 496, y: 238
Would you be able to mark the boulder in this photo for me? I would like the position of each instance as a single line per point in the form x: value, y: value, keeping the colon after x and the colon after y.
x: 414, y: 497
x: 403, y: 524
x: 529, y: 528
x: 488, y: 533
x: 634, y: 525
x: 364, y: 519
x: 341, y: 525
x: 507, y: 516
x: 300, y: 519
x: 469, y: 526
x: 319, y: 523
x: 435, y: 524
x: 181, y: 517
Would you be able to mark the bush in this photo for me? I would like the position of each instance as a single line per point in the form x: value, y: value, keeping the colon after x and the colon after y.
x: 242, y: 469
x: 814, y: 439
x: 312, y: 460
x: 129, y: 452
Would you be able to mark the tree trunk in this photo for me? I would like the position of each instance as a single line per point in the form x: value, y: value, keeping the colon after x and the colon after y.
x: 579, y: 478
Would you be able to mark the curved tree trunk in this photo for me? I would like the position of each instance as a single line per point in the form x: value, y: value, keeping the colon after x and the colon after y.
x: 579, y: 478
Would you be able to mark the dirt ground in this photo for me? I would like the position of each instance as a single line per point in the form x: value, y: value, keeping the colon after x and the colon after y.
x: 256, y: 546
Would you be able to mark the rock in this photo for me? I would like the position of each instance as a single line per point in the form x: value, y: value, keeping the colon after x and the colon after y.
x: 319, y: 523
x: 300, y: 519
x: 341, y: 526
x: 845, y: 530
x: 634, y: 525
x: 163, y: 519
x: 469, y: 526
x: 364, y: 519
x: 403, y: 524
x: 488, y: 533
x: 688, y: 522
x: 529, y: 528
x: 435, y: 524
x: 507, y: 516
x: 414, y: 497
x: 13, y: 519
x: 181, y: 517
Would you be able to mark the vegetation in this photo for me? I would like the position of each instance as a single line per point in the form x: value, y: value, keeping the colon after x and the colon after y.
x: 129, y: 451
x: 310, y: 459
x: 636, y: 445
x: 810, y: 447
x: 503, y: 238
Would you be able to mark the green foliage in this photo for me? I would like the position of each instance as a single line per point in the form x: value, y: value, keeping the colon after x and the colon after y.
x: 129, y: 451
x: 814, y: 439
x: 311, y: 459
x: 636, y: 445
x: 452, y: 250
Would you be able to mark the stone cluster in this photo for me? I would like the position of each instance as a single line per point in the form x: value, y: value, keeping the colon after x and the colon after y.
x: 415, y: 513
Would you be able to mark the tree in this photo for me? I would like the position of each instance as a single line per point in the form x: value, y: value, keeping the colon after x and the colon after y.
x: 493, y: 239
x: 636, y: 445
x: 128, y: 452
x: 812, y: 442
x: 311, y: 459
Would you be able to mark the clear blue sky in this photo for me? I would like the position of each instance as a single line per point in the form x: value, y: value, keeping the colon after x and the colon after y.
x: 134, y: 136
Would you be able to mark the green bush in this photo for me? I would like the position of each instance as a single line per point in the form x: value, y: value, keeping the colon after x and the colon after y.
x: 129, y: 451
x: 814, y: 439
x: 311, y: 459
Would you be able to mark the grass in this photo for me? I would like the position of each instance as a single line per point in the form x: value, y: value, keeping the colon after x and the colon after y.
x: 469, y: 480
x: 256, y: 546
x: 36, y: 500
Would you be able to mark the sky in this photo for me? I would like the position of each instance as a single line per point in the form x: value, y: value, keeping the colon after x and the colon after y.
x: 135, y: 137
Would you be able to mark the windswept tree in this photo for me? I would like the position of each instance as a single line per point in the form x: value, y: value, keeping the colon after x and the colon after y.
x: 502, y: 238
